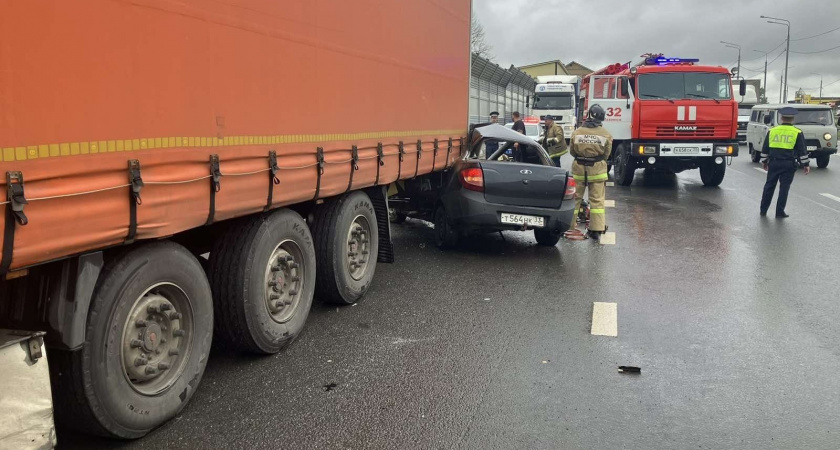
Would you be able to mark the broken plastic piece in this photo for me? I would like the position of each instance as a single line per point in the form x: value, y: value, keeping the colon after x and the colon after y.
x: 629, y: 369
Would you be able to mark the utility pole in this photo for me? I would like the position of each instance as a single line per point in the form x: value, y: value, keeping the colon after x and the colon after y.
x: 785, y: 22
x: 765, y: 73
x: 821, y: 80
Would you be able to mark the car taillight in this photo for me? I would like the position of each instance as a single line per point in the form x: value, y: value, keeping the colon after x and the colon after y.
x: 571, y: 186
x: 473, y: 179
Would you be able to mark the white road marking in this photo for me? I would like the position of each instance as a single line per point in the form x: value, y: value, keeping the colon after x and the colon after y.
x: 609, y: 203
x: 607, y: 238
x: 604, y: 319
x: 610, y: 183
x: 833, y: 197
x: 760, y: 169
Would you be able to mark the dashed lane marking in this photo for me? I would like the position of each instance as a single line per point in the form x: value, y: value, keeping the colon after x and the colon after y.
x: 604, y: 319
x: 610, y: 183
x: 609, y: 203
x: 607, y: 238
x: 833, y: 197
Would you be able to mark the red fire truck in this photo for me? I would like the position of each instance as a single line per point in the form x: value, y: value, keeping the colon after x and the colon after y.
x: 667, y: 114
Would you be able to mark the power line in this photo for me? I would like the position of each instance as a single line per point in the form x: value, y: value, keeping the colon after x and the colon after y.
x: 816, y: 35
x: 819, y: 51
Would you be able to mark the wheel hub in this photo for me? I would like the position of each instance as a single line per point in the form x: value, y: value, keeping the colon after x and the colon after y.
x: 358, y: 248
x: 154, y: 340
x: 284, y: 281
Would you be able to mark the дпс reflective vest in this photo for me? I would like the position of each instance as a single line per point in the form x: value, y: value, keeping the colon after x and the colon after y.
x: 784, y: 137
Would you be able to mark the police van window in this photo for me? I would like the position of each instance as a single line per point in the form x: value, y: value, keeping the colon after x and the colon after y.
x: 754, y: 116
x: 604, y: 87
x: 813, y: 117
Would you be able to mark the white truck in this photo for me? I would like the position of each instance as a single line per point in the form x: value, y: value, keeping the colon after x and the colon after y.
x: 745, y: 105
x: 557, y: 96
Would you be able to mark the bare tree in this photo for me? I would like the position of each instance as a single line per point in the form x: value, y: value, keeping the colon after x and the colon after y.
x: 478, y: 40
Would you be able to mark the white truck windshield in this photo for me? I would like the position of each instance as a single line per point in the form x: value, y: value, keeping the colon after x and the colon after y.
x: 687, y: 85
x: 553, y: 100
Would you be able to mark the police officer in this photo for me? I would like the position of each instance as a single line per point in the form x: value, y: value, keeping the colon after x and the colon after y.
x: 591, y: 145
x: 782, y: 153
x: 491, y: 146
x: 553, y: 140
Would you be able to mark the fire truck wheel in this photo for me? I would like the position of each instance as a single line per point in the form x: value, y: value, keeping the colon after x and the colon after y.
x: 755, y: 156
x: 147, y: 340
x: 712, y: 174
x: 625, y: 169
x: 262, y: 271
x: 347, y: 244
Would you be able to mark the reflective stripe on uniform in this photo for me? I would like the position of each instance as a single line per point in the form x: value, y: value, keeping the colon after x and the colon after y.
x: 593, y: 178
x: 557, y: 155
x: 597, y: 211
x: 783, y: 137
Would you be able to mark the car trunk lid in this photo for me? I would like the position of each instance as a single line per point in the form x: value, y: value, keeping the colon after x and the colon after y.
x: 510, y: 183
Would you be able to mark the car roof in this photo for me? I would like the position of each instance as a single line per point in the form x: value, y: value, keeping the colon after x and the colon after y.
x: 496, y: 131
x: 800, y: 106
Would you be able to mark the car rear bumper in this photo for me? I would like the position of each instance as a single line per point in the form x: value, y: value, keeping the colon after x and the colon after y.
x: 822, y: 152
x: 470, y: 212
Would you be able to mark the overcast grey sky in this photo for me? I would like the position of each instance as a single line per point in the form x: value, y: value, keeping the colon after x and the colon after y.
x: 597, y: 33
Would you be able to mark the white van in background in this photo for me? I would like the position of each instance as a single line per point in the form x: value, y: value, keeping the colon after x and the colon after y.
x: 815, y: 121
x: 745, y: 105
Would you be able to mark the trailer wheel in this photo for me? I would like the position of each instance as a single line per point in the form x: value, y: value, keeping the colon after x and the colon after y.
x: 625, y: 169
x: 262, y: 272
x: 147, y: 340
x: 546, y: 237
x: 755, y: 156
x: 822, y: 161
x: 446, y: 236
x: 712, y: 174
x: 347, y: 244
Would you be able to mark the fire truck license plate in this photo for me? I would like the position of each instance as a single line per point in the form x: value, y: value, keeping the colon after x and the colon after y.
x: 685, y: 150
x: 519, y: 219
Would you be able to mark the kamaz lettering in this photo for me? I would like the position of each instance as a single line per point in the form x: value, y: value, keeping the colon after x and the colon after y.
x: 685, y: 128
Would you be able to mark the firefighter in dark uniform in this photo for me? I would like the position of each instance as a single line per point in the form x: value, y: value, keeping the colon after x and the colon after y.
x: 782, y: 153
x: 491, y: 146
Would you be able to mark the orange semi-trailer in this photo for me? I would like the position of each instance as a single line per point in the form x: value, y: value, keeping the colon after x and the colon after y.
x: 137, y: 135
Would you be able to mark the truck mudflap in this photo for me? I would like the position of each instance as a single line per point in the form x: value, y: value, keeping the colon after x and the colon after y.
x: 26, y: 410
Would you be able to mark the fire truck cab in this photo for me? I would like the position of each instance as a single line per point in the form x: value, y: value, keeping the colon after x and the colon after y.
x: 667, y: 114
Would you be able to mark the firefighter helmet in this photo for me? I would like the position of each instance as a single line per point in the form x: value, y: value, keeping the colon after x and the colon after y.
x: 597, y: 112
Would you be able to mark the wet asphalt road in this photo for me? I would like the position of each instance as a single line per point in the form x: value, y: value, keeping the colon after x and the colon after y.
x: 733, y: 319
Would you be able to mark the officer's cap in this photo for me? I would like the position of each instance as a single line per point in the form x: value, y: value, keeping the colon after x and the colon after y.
x: 494, y: 113
x: 788, y: 111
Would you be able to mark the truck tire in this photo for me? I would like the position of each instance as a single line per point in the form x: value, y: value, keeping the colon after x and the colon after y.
x: 625, y: 169
x: 262, y: 272
x: 712, y: 174
x: 546, y: 237
x: 755, y: 156
x: 346, y: 244
x: 822, y: 161
x: 147, y: 340
x: 446, y: 236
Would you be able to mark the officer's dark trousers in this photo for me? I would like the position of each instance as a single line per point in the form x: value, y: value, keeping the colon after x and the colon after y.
x: 556, y: 160
x: 779, y: 171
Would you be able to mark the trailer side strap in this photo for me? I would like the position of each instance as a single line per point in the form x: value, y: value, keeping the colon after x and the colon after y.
x: 273, y: 179
x: 448, y: 152
x: 354, y: 165
x: 136, y: 183
x: 434, y: 154
x: 402, y: 157
x: 14, y: 216
x: 320, y: 156
x: 419, y: 155
x: 380, y: 156
x: 215, y: 186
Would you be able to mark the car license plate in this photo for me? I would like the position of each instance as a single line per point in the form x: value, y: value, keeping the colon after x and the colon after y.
x: 685, y: 150
x: 519, y: 219
x: 812, y: 147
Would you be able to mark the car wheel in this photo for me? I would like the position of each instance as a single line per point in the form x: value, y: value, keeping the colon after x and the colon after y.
x: 822, y: 161
x: 445, y: 235
x: 755, y: 156
x: 546, y: 237
x: 147, y: 340
x: 712, y: 174
x: 263, y: 276
x: 625, y: 170
x: 347, y: 245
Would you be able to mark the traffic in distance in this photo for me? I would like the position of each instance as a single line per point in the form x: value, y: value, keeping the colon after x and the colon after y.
x: 234, y: 247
